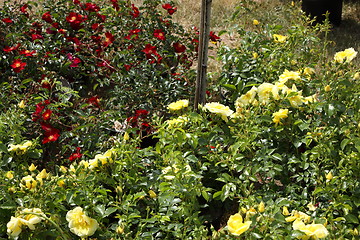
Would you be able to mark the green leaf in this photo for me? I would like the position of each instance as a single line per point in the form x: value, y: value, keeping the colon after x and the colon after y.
x: 256, y: 235
x: 217, y: 194
x: 344, y: 143
x: 100, y: 209
x: 352, y: 219
x: 229, y: 86
x: 205, y: 195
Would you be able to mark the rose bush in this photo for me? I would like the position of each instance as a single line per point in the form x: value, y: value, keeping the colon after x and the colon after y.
x: 96, y: 143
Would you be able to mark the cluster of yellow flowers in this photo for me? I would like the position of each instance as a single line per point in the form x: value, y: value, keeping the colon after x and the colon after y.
x: 300, y: 221
x: 29, y: 182
x: 237, y: 225
x: 20, y: 148
x: 28, y: 217
x: 80, y: 224
x: 177, y: 122
x: 345, y: 56
x: 276, y: 91
x: 103, y: 159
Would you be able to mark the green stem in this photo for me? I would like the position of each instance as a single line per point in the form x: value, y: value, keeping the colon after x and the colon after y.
x: 63, y: 235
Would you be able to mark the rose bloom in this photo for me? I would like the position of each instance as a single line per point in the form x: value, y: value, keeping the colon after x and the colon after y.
x: 289, y: 75
x: 265, y: 90
x: 281, y: 114
x: 236, y: 225
x: 18, y: 65
x: 315, y: 231
x: 347, y: 55
x: 279, y: 38
x: 178, y: 105
x: 29, y: 219
x: 219, y: 109
x: 80, y: 224
x: 14, y: 227
x: 246, y: 98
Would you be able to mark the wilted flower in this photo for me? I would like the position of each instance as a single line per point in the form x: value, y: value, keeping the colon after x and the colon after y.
x: 236, y: 225
x: 80, y: 224
x: 347, y: 55
x: 279, y: 38
x: 315, y: 231
x: 178, y: 105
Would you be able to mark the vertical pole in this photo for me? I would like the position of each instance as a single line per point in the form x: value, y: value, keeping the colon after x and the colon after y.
x: 201, y: 80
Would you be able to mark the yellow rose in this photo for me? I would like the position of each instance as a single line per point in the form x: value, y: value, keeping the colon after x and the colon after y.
x: 29, y: 182
x: 80, y: 224
x: 289, y: 75
x: 236, y: 226
x: 265, y: 90
x: 14, y: 227
x: 281, y: 114
x: 219, y: 109
x: 178, y: 105
x: 279, y: 38
x: 61, y: 183
x: 297, y: 215
x: 29, y: 219
x: 315, y: 231
x: 246, y: 98
x: 347, y: 55
x: 9, y: 175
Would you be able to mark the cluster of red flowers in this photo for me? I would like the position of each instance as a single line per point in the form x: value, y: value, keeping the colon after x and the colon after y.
x: 171, y: 10
x: 151, y: 54
x: 43, y: 115
x: 76, y: 155
x: 139, y: 121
